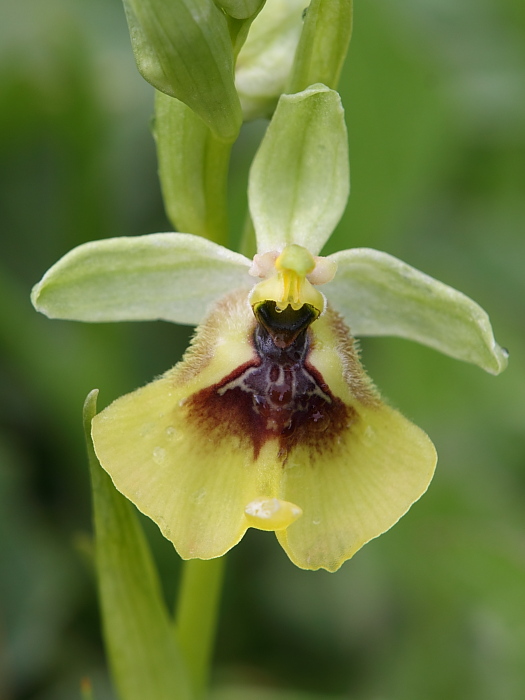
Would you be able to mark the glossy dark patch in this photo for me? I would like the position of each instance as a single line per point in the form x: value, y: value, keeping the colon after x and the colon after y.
x: 277, y: 396
x: 284, y: 326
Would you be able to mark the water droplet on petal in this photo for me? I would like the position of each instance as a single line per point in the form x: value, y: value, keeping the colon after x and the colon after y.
x: 199, y: 496
x: 159, y: 455
x: 369, y: 436
x: 146, y: 428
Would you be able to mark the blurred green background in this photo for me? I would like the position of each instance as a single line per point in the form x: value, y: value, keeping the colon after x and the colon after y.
x: 434, y: 92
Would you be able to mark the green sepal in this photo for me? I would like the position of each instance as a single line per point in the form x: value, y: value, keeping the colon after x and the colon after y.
x: 183, y: 48
x: 323, y: 45
x: 381, y: 295
x: 264, y: 63
x: 141, y: 645
x: 193, y: 170
x: 241, y: 9
x: 299, y: 180
x: 166, y: 276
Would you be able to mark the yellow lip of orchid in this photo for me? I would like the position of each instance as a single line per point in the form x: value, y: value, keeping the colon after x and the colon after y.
x: 247, y: 432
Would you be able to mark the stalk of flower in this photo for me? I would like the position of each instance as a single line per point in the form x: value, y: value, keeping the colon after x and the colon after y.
x: 270, y: 421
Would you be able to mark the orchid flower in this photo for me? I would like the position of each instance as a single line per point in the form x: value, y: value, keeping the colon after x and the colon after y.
x: 270, y: 420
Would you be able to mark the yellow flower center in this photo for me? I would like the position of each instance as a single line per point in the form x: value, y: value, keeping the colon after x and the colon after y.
x: 288, y: 285
x: 292, y: 266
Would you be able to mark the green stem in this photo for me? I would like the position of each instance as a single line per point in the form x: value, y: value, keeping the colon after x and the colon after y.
x: 217, y: 163
x: 196, y: 616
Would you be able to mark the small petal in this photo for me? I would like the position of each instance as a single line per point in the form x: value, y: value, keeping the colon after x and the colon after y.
x: 323, y: 272
x: 169, y: 276
x: 299, y: 180
x: 381, y: 295
x: 263, y: 265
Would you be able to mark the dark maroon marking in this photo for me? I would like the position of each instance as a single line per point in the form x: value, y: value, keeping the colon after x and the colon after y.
x: 278, y: 395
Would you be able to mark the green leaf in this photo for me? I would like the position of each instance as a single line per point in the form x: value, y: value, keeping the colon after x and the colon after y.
x: 141, y: 645
x: 299, y: 180
x: 381, y: 295
x: 183, y: 48
x: 169, y: 276
x: 265, y: 61
x: 241, y: 9
x: 193, y: 170
x: 323, y: 45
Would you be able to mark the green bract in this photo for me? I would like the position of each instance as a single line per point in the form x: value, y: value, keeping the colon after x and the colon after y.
x: 183, y: 48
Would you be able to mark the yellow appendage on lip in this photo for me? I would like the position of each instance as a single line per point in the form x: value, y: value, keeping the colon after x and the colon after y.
x: 271, y: 513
